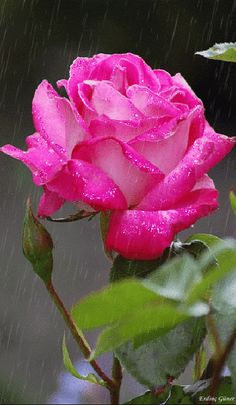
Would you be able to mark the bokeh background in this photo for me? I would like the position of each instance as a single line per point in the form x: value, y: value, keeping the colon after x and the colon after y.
x: 39, y: 39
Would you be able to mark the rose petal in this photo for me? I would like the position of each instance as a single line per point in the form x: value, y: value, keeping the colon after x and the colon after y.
x: 80, y: 70
x: 55, y: 120
x: 166, y: 145
x: 133, y: 174
x: 106, y: 100
x: 137, y: 70
x: 123, y: 130
x: 49, y: 203
x: 150, y: 103
x: 204, y: 154
x: 187, y: 95
x: 164, y: 78
x: 81, y: 181
x: 40, y: 158
x: 144, y: 235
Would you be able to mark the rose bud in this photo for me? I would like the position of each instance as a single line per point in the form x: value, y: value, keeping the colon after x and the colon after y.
x: 37, y: 245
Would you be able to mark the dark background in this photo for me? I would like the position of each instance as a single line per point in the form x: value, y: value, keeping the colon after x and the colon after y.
x: 39, y: 39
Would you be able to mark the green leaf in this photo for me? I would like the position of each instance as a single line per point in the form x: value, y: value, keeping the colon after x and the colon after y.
x: 232, y: 198
x: 104, y: 224
x: 224, y: 295
x: 224, y: 51
x: 37, y: 245
x: 112, y: 304
x: 194, y: 248
x: 206, y: 238
x: 225, y: 255
x: 151, y: 364
x: 174, y: 279
x: 92, y: 378
x: 160, y: 318
x: 225, y: 327
x: 125, y: 268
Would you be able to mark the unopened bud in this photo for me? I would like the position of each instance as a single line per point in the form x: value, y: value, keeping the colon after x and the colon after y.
x: 37, y: 245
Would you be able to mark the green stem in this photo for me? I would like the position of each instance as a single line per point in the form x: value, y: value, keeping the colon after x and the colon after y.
x: 79, y: 338
x: 117, y: 380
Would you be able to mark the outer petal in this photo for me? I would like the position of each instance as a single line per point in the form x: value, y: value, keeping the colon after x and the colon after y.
x: 81, y: 181
x: 41, y: 158
x: 133, y: 174
x: 55, y: 120
x: 139, y: 234
x: 80, y: 70
x: 187, y: 96
x: 146, y: 234
x: 204, y: 154
x: 49, y: 203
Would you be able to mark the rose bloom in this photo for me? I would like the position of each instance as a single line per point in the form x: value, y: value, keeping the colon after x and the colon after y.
x: 129, y: 140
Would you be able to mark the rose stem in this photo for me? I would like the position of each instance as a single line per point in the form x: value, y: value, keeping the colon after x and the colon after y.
x: 219, y: 365
x: 117, y: 379
x: 80, y: 340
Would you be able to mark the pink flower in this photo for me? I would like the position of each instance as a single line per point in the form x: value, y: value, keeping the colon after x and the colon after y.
x: 128, y: 139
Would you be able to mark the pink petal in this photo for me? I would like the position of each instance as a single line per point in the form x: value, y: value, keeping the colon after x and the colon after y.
x: 81, y: 181
x: 137, y: 70
x: 55, y: 120
x: 144, y: 235
x: 106, y: 100
x: 204, y: 154
x: 41, y: 158
x: 139, y: 234
x: 49, y: 203
x: 80, y: 70
x: 122, y: 130
x: 166, y: 145
x: 133, y: 174
x: 187, y: 95
x: 150, y: 103
x: 164, y: 78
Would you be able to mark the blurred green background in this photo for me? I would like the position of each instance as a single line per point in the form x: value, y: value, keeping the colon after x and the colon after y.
x: 40, y: 39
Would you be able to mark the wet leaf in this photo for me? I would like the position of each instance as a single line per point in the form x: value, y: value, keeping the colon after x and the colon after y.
x: 92, y: 378
x: 224, y: 51
x: 225, y: 256
x: 151, y: 364
x: 175, y: 277
x: 124, y: 268
x: 225, y: 327
x: 110, y: 305
x: 160, y: 318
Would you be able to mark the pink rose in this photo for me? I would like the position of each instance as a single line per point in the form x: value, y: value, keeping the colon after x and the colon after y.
x: 128, y: 139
